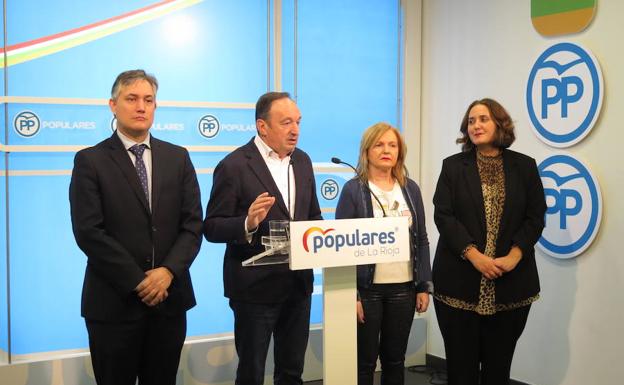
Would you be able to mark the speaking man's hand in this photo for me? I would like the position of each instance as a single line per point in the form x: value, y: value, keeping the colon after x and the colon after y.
x: 259, y: 210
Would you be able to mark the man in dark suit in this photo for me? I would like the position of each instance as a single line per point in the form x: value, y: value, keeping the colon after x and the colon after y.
x: 266, y: 179
x: 136, y: 214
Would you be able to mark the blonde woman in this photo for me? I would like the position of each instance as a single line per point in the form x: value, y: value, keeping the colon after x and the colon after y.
x: 388, y: 293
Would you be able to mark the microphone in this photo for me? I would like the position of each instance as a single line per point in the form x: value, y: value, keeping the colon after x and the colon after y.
x: 338, y: 161
x: 290, y: 164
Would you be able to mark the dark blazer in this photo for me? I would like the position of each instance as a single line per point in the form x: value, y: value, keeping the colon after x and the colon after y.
x: 113, y: 226
x: 460, y: 218
x: 356, y: 202
x: 238, y: 179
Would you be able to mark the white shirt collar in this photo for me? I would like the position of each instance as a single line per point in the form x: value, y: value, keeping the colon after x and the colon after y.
x: 128, y: 142
x: 266, y: 151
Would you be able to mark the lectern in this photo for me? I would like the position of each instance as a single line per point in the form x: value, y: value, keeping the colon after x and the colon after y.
x: 338, y: 246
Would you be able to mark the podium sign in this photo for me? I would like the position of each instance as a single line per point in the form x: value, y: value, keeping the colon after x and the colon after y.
x: 348, y: 242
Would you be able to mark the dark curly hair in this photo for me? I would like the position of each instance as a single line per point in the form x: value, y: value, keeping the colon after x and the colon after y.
x: 504, y: 136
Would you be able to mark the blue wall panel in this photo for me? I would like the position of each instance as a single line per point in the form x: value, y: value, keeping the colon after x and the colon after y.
x: 347, y: 57
x: 211, y: 51
x: 46, y: 265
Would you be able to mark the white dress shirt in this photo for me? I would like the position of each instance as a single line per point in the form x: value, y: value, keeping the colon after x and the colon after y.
x: 281, y: 171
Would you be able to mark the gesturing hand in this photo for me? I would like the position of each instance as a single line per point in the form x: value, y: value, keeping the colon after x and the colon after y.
x: 258, y: 210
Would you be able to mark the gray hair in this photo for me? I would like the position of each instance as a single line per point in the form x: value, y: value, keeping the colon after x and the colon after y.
x: 128, y: 77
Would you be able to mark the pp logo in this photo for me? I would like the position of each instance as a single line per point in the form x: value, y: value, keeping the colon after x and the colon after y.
x: 330, y: 189
x: 574, y: 206
x: 564, y: 94
x: 208, y: 126
x: 26, y: 124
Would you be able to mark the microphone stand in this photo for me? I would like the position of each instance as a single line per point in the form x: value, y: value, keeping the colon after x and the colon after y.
x: 338, y: 161
x: 290, y: 164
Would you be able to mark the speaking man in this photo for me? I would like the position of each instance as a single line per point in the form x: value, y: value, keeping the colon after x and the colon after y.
x: 266, y: 179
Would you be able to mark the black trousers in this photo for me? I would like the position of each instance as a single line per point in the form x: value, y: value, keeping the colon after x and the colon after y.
x: 289, y: 324
x: 388, y: 315
x: 479, y: 348
x: 148, y: 349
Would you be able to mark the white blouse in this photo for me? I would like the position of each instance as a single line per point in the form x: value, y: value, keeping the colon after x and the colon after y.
x: 395, y: 205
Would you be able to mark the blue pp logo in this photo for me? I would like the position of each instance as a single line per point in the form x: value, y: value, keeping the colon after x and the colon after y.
x: 208, y: 126
x: 330, y: 189
x: 574, y: 206
x: 564, y: 94
x: 26, y: 124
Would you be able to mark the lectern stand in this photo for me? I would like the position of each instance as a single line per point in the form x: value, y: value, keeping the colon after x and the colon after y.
x: 338, y: 246
x: 339, y: 326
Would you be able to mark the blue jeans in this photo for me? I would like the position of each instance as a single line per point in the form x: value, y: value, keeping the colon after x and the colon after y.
x: 388, y: 315
x: 254, y: 323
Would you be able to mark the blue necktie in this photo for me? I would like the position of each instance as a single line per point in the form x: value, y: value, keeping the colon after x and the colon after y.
x: 138, y: 150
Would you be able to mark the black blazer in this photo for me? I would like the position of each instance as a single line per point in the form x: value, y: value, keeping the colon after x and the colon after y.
x: 355, y: 202
x: 238, y: 179
x: 460, y: 217
x: 113, y: 226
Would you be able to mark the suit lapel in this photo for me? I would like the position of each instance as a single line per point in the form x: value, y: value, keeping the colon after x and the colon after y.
x: 120, y: 157
x: 300, y: 174
x: 157, y: 170
x: 473, y: 183
x: 511, y: 186
x: 259, y: 168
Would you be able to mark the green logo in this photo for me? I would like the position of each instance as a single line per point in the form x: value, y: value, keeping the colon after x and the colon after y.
x: 561, y: 17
